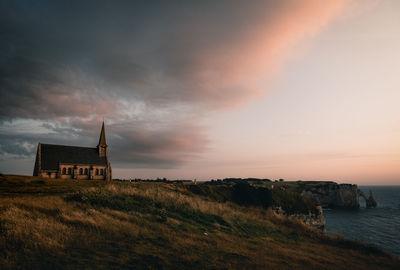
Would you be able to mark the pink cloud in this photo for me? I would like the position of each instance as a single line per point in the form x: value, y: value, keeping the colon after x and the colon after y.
x: 235, y: 73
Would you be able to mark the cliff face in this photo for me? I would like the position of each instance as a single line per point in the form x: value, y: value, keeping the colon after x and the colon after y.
x: 312, y: 219
x: 330, y: 194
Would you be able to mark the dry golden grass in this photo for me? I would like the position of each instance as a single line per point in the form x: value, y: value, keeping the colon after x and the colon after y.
x: 61, y: 224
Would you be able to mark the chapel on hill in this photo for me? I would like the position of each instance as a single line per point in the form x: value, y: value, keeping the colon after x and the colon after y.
x: 73, y: 162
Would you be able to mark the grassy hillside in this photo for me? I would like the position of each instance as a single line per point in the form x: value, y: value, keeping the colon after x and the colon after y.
x: 70, y: 224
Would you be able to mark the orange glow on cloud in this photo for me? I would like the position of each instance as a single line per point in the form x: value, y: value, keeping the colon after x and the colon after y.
x: 237, y: 72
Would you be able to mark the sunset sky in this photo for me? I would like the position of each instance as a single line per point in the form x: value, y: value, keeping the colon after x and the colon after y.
x: 206, y: 89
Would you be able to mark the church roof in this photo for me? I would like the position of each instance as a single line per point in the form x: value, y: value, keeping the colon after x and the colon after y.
x: 52, y: 155
x: 102, y: 139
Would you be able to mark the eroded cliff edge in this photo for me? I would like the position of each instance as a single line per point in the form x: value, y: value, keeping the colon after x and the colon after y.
x: 314, y: 219
x: 324, y: 194
x: 334, y: 195
x: 302, y: 200
x: 331, y: 194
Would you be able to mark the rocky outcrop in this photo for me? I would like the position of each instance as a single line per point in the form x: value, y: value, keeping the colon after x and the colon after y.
x: 331, y: 194
x: 314, y: 220
x: 334, y: 195
x: 370, y: 201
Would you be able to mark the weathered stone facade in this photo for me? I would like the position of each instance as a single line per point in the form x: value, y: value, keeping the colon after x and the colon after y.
x: 73, y: 162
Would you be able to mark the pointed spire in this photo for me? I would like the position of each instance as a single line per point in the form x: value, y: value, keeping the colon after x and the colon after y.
x: 102, y: 140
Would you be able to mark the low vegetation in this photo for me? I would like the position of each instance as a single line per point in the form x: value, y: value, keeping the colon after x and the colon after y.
x: 70, y: 224
x: 242, y: 193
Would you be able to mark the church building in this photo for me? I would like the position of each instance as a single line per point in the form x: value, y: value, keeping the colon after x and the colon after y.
x: 73, y: 162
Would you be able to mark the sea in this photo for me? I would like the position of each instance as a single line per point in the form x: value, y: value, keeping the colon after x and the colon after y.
x: 379, y: 226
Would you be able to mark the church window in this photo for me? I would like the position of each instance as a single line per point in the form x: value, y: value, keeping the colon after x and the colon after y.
x: 64, y: 171
x: 97, y: 171
x: 80, y: 171
x: 86, y: 171
x: 101, y: 171
x: 69, y: 170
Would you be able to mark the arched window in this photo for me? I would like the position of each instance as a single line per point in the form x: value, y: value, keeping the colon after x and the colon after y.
x: 101, y: 171
x: 64, y: 171
x: 97, y: 171
x: 69, y: 170
x: 80, y: 171
x: 86, y: 171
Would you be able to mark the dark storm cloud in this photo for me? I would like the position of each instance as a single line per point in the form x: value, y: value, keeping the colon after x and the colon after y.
x: 21, y: 143
x: 144, y: 50
x: 21, y: 146
x: 71, y: 60
x: 165, y: 148
x: 151, y: 68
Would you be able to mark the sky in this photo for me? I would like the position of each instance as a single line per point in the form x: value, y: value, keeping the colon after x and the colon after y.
x: 300, y: 90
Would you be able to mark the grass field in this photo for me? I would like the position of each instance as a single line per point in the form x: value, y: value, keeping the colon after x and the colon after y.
x: 71, y: 224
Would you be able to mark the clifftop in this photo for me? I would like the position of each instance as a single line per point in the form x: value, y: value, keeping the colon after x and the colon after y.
x: 331, y: 194
x: 63, y: 224
x: 327, y: 193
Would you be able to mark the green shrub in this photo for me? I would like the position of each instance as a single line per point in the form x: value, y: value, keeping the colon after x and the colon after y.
x: 219, y: 193
x: 244, y: 194
x: 292, y: 202
x: 240, y: 193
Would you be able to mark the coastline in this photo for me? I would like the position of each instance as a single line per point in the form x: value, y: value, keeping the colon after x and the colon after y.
x: 378, y: 226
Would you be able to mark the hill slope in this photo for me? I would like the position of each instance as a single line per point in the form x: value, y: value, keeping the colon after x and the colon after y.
x: 69, y: 224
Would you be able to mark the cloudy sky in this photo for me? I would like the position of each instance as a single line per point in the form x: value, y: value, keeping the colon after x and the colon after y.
x: 206, y: 89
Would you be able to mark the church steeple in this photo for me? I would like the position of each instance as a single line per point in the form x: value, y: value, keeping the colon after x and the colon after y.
x: 102, y: 146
